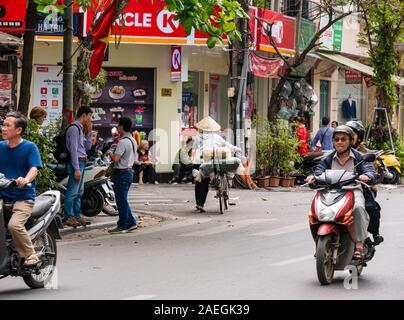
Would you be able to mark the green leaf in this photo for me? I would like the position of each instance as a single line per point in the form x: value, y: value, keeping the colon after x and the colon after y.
x: 211, y: 42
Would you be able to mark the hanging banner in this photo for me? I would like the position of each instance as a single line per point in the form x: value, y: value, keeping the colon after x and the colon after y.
x: 265, y: 68
x: 368, y: 81
x: 12, y: 16
x: 48, y: 90
x: 352, y: 77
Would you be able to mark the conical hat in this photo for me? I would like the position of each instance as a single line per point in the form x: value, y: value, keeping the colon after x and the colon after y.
x: 208, y: 124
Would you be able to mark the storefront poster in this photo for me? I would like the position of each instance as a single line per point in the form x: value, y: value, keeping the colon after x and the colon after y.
x: 129, y: 92
x: 265, y: 67
x: 48, y: 90
x: 331, y: 39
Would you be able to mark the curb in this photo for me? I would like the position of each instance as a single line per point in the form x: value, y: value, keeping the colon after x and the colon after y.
x: 110, y: 224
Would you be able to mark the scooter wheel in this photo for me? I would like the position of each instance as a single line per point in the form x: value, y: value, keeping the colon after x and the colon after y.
x: 324, y: 259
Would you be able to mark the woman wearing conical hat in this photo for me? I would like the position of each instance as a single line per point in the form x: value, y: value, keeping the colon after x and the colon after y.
x: 206, y: 142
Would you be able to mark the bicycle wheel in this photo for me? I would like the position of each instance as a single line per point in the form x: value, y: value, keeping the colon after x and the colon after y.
x: 225, y: 191
x: 219, y: 193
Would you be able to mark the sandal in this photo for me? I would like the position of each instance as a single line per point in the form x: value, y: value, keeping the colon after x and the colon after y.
x: 359, y: 254
x: 31, y: 261
x: 200, y: 209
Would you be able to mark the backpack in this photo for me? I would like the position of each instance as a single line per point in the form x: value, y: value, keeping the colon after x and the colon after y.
x: 61, y: 153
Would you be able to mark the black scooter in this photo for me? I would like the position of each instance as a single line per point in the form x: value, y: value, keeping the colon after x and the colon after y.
x: 42, y: 228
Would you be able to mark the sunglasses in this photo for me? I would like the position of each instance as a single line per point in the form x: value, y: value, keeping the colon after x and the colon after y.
x: 341, y: 139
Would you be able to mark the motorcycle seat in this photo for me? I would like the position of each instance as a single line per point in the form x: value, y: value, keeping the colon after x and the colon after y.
x: 59, y: 169
x: 42, y: 204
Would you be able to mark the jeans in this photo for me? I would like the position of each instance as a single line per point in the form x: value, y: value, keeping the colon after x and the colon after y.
x: 122, y: 182
x: 74, y: 192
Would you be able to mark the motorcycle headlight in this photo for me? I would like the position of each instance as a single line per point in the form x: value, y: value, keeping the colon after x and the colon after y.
x: 326, y: 214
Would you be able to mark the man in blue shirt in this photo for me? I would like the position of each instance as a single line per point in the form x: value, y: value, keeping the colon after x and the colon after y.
x: 78, y: 141
x: 19, y: 160
x: 324, y: 135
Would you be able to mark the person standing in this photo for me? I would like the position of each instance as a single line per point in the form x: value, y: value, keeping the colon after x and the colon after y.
x: 19, y: 160
x: 324, y: 135
x: 124, y: 157
x: 303, y: 136
x: 78, y: 141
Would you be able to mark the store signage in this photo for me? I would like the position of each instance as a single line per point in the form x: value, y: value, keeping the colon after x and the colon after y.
x: 149, y: 22
x: 352, y: 77
x: 282, y: 31
x: 53, y: 25
x: 331, y: 39
x: 264, y: 67
x: 176, y: 62
x: 368, y: 81
x: 12, y: 16
x: 48, y: 90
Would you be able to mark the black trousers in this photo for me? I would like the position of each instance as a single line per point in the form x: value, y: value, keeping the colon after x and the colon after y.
x: 182, y: 171
x: 373, y: 209
x: 149, y: 173
x: 201, y: 191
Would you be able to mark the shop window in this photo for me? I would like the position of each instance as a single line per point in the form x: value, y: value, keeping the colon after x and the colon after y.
x: 190, y: 100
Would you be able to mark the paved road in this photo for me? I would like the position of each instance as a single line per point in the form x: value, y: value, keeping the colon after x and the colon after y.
x: 260, y: 249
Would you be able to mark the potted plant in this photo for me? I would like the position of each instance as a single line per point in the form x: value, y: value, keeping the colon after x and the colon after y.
x: 263, y: 143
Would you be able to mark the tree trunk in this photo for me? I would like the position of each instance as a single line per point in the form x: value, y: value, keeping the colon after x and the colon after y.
x: 27, y: 58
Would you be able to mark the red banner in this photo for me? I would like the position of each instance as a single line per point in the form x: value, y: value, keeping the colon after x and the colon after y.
x: 148, y: 22
x: 12, y: 16
x: 352, y: 77
x: 283, y: 31
x: 264, y: 67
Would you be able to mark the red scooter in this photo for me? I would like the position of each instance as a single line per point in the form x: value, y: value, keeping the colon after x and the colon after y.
x: 332, y: 224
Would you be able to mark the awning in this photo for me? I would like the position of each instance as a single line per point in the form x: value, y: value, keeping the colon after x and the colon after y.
x: 9, y: 42
x: 353, y: 65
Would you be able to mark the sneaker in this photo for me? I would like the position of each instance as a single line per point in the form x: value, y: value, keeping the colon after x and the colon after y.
x: 377, y: 239
x: 134, y: 227
x: 117, y: 230
x: 83, y: 221
x: 72, y: 222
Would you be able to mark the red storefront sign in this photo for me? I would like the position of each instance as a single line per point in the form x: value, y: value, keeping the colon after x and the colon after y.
x: 12, y: 16
x: 148, y: 22
x: 369, y: 81
x: 283, y: 31
x: 176, y: 60
x: 352, y: 77
x: 264, y: 67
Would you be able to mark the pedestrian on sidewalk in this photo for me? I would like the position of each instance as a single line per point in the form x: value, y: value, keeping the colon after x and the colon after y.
x: 324, y: 135
x: 78, y: 141
x: 124, y: 157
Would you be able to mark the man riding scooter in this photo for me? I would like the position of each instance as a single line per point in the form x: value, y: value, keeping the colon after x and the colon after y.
x: 372, y: 207
x: 346, y: 158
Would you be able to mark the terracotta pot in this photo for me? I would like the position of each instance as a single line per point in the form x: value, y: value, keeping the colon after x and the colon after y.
x: 263, y: 182
x: 292, y: 182
x: 285, y: 182
x: 274, y: 181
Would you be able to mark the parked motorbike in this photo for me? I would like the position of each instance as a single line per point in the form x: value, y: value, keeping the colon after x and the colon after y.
x: 98, y: 196
x: 332, y: 224
x: 392, y: 165
x: 309, y: 164
x: 43, y: 230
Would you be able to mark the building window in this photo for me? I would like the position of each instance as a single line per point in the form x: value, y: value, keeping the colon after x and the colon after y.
x: 291, y: 8
x: 190, y: 100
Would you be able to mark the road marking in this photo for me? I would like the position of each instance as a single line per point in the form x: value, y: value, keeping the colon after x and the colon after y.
x: 291, y: 261
x: 230, y: 226
x: 283, y: 230
x: 141, y: 297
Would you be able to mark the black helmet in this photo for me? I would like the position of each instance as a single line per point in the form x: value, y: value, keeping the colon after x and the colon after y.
x: 344, y: 129
x: 358, y: 127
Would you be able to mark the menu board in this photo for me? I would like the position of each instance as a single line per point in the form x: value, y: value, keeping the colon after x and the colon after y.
x: 6, y: 85
x: 129, y: 92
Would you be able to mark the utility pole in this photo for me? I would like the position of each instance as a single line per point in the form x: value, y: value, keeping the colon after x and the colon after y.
x: 67, y: 65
